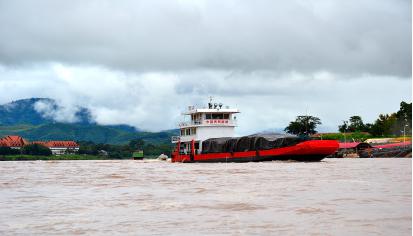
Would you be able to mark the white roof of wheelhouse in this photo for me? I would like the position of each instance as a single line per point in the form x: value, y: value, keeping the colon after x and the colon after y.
x: 223, y: 110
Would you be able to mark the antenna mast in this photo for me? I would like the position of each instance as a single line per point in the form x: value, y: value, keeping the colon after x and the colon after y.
x: 210, y: 102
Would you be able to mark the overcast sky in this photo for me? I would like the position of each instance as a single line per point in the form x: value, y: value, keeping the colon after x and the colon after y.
x: 143, y: 62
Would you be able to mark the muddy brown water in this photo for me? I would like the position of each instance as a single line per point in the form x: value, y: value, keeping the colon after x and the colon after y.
x: 332, y: 197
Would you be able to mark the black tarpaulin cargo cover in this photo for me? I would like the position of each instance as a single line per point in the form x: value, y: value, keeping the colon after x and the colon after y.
x: 214, y: 145
x: 249, y: 143
x: 269, y: 141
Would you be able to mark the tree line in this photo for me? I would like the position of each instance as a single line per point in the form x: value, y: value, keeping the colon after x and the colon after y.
x: 91, y: 148
x: 29, y: 149
x: 394, y: 124
x: 124, y: 151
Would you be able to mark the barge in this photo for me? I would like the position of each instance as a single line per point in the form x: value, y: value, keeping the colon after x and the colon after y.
x: 208, y: 136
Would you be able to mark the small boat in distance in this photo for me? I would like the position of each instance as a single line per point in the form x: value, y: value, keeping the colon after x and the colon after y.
x: 209, y: 137
x: 137, y: 155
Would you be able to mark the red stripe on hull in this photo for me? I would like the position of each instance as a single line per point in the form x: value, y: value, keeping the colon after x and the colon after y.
x: 209, y: 156
x: 314, y: 148
x: 244, y: 154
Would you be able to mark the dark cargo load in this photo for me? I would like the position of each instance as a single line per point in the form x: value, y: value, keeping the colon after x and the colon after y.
x: 269, y: 141
x: 214, y: 145
x: 249, y: 143
x: 243, y: 144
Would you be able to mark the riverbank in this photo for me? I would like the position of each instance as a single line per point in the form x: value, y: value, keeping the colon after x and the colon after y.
x: 50, y: 158
x: 69, y: 157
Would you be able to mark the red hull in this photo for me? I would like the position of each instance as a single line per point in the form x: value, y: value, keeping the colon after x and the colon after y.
x: 314, y: 150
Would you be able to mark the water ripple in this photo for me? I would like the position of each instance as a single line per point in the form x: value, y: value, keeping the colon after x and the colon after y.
x: 333, y: 197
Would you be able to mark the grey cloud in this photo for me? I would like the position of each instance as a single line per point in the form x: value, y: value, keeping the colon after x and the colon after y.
x: 342, y: 37
x: 58, y: 113
x: 153, y: 101
x: 142, y: 62
x: 240, y: 83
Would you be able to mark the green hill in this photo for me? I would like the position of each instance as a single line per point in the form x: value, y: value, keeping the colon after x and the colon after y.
x: 22, y: 118
x: 24, y: 112
x: 79, y: 132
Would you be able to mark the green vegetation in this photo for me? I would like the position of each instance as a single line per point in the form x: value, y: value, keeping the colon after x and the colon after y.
x: 23, y: 112
x: 49, y: 158
x: 121, y: 141
x: 93, y: 132
x: 35, y: 150
x: 387, y: 125
x: 349, y: 137
x: 355, y: 124
x: 7, y: 129
x: 303, y: 125
x: 21, y: 118
x: 87, y: 151
x: 9, y: 151
x: 125, y: 151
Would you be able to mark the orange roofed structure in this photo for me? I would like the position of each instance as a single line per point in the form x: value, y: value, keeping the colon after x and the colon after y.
x: 57, y: 147
x: 13, y: 141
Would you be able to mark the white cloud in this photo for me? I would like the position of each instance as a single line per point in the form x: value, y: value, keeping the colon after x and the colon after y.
x: 154, y: 101
x: 51, y: 110
x: 142, y: 62
x: 350, y: 37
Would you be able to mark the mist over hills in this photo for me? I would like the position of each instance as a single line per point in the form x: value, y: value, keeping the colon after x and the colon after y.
x: 37, y: 111
x: 42, y: 119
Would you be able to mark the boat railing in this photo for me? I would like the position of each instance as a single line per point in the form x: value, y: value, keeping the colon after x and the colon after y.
x: 209, y: 122
x: 175, y: 139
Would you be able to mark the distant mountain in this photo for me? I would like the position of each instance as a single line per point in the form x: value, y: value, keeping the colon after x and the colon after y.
x: 21, y: 118
x: 79, y: 132
x: 24, y: 112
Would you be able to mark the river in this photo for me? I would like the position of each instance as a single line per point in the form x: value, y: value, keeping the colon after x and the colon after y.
x: 332, y: 197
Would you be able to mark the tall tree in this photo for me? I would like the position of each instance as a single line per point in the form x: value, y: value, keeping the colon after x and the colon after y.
x: 344, y: 127
x: 404, y: 119
x: 405, y: 111
x: 383, y: 126
x: 303, y: 125
x: 394, y: 123
x: 355, y: 124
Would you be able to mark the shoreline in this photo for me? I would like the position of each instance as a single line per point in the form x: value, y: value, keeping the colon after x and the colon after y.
x: 50, y: 158
x: 92, y: 157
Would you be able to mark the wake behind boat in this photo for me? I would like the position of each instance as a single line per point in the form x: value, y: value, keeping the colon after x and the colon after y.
x: 209, y: 137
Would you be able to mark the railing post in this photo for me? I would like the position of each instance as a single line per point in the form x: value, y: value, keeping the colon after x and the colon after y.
x: 179, y: 148
x: 192, y: 150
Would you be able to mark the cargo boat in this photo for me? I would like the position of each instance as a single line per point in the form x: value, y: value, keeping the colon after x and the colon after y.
x: 208, y: 136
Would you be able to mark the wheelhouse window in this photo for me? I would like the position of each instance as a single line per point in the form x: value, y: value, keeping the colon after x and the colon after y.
x: 188, y: 131
x: 217, y: 116
x: 197, y: 119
